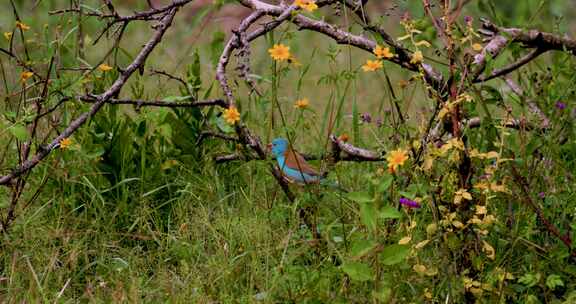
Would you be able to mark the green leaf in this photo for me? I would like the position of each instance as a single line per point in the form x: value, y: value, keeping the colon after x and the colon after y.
x: 389, y: 212
x: 394, y: 254
x: 529, y: 279
x: 409, y: 195
x: 369, y: 215
x: 553, y: 281
x: 223, y: 125
x: 361, y: 248
x: 385, y: 183
x: 358, y: 271
x: 19, y: 131
x: 360, y: 197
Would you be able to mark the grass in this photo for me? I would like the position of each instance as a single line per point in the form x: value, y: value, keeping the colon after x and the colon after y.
x: 137, y: 211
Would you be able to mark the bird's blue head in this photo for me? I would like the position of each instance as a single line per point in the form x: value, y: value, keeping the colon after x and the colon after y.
x: 279, y: 146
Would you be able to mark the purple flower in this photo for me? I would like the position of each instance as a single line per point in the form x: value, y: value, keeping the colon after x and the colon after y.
x: 366, y: 118
x: 542, y: 195
x: 560, y: 105
x: 409, y: 203
x: 379, y: 122
x: 468, y: 20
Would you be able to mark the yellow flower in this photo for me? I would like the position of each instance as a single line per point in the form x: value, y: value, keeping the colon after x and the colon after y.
x: 25, y: 75
x: 231, y: 115
x: 280, y: 52
x: 302, y: 103
x: 8, y: 35
x: 22, y: 26
x: 477, y: 47
x: 308, y: 5
x: 372, y: 65
x: 417, y: 57
x: 65, y: 143
x: 383, y: 52
x: 396, y: 158
x: 104, y: 67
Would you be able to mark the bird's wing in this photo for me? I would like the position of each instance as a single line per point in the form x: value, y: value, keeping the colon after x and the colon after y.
x: 295, y: 161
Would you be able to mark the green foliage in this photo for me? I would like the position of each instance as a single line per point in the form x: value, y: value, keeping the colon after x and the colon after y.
x: 135, y: 209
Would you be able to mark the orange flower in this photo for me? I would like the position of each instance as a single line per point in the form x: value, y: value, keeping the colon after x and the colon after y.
x: 25, y: 75
x: 231, y: 115
x: 383, y: 52
x: 280, y: 52
x: 372, y: 65
x: 396, y: 158
x: 65, y: 143
x: 302, y: 103
x: 308, y: 5
x: 344, y: 137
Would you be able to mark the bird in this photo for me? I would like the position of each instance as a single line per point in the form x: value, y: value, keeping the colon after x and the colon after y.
x: 292, y: 164
x: 295, y: 167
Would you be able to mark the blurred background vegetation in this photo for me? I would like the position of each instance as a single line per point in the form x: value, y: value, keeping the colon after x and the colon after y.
x: 137, y: 210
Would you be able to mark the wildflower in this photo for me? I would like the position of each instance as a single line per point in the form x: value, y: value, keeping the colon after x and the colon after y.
x: 396, y: 158
x: 104, y: 67
x: 280, y: 52
x: 468, y: 20
x: 22, y: 26
x: 560, y: 105
x: 409, y: 203
x: 383, y: 52
x: 372, y: 65
x: 344, y: 137
x: 302, y: 103
x: 366, y: 118
x: 8, y: 35
x: 231, y: 115
x: 379, y: 122
x: 65, y: 143
x: 542, y: 195
x: 417, y: 57
x: 25, y: 75
x: 308, y: 5
x: 477, y: 47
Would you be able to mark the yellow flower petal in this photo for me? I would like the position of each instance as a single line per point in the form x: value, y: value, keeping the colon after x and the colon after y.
x: 302, y: 103
x: 104, y: 67
x: 372, y: 65
x: 280, y: 52
x: 231, y: 115
x: 383, y: 52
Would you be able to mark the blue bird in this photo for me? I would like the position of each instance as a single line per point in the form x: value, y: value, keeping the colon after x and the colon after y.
x: 293, y: 165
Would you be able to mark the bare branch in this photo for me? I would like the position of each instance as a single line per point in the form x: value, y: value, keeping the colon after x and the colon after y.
x: 101, y: 100
x: 159, y: 103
